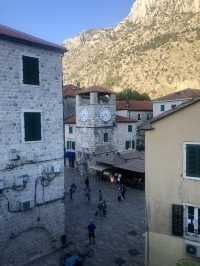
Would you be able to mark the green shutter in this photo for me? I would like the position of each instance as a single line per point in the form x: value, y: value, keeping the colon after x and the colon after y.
x: 193, y: 160
x: 32, y: 126
x: 30, y: 70
x: 127, y: 144
x: 177, y: 220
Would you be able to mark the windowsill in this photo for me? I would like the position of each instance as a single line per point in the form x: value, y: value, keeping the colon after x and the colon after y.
x: 30, y: 85
x: 191, y: 178
x: 33, y: 141
x: 195, y: 238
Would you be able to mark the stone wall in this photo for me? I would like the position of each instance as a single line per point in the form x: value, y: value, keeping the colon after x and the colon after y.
x: 37, y: 175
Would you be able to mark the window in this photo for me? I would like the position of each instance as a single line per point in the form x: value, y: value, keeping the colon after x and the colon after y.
x: 71, y: 145
x: 192, y: 221
x: 139, y: 116
x: 32, y: 126
x: 162, y: 108
x: 70, y: 130
x: 192, y: 159
x: 148, y: 116
x: 30, y: 70
x: 133, y: 144
x: 130, y: 144
x: 130, y: 128
x: 186, y: 221
x: 173, y: 106
x: 105, y: 137
x: 127, y: 144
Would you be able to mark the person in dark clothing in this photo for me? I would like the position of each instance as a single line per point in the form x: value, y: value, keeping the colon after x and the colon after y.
x: 88, y: 193
x: 100, y: 195
x: 91, y: 232
x: 123, y: 191
x: 87, y: 182
x: 104, y: 207
x: 72, y: 190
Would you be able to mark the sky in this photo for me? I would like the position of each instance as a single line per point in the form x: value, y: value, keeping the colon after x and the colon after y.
x: 62, y: 19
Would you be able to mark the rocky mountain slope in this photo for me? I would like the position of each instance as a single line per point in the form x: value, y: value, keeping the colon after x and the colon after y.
x: 156, y: 49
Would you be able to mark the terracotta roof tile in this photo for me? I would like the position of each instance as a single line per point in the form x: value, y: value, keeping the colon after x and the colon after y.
x: 180, y: 95
x: 123, y: 119
x: 70, y: 119
x: 133, y: 105
x: 95, y: 89
x: 21, y: 37
x: 70, y: 90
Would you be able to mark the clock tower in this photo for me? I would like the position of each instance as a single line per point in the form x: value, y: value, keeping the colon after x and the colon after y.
x: 95, y: 122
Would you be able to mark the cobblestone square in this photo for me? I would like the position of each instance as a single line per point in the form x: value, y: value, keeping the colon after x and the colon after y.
x: 119, y: 235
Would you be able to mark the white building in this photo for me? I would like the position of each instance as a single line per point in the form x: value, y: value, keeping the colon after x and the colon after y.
x: 31, y: 147
x: 172, y: 100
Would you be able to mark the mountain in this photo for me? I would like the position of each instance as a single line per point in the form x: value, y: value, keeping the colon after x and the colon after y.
x: 155, y: 49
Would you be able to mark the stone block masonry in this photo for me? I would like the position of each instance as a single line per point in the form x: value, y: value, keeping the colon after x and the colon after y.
x: 31, y: 172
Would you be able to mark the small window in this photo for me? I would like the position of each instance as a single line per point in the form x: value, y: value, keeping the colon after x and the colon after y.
x: 162, y: 108
x: 192, y: 159
x: 139, y: 116
x: 70, y: 130
x: 32, y: 126
x: 105, y: 137
x: 30, y: 70
x: 192, y: 221
x: 130, y: 128
x: 73, y: 145
x: 173, y: 106
x: 148, y: 116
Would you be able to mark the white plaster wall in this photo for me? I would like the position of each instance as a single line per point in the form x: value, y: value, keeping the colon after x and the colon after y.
x: 167, y: 104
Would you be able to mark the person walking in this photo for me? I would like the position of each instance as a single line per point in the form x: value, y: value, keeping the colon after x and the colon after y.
x: 123, y: 191
x: 87, y: 182
x: 88, y: 194
x: 91, y: 232
x: 72, y: 190
x: 100, y: 195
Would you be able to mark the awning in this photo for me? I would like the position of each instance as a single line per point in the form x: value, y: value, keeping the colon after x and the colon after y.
x: 70, y: 155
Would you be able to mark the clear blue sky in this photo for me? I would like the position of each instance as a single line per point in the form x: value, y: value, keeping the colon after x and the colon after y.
x: 57, y: 20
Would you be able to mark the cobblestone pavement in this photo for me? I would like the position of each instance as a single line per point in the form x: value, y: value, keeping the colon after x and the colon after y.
x: 119, y: 235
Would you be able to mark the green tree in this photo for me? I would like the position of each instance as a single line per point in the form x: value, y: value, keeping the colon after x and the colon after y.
x: 130, y: 94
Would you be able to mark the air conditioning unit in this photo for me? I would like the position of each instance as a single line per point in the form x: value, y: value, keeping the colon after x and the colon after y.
x: 25, y: 205
x: 13, y: 155
x: 57, y: 168
x: 193, y: 249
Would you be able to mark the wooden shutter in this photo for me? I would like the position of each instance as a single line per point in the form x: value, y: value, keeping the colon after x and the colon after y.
x: 32, y: 126
x: 30, y: 70
x: 177, y: 220
x: 127, y: 145
x: 193, y: 160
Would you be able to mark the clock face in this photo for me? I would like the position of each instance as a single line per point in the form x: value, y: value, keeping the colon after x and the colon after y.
x: 83, y: 115
x: 105, y: 115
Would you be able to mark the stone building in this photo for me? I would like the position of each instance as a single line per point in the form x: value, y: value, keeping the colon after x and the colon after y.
x: 172, y: 156
x: 96, y: 128
x: 69, y: 95
x: 31, y: 147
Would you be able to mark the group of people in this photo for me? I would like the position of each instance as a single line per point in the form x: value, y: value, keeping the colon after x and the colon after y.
x: 101, y: 206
